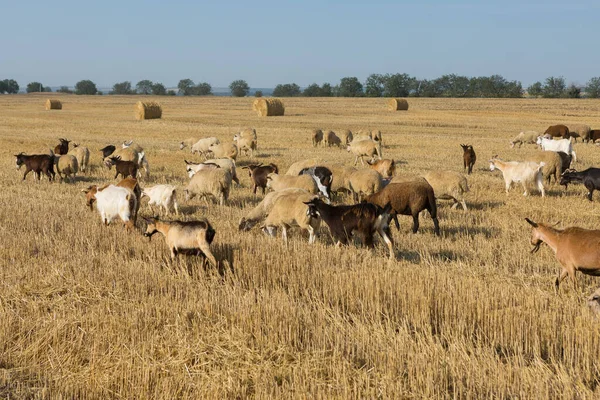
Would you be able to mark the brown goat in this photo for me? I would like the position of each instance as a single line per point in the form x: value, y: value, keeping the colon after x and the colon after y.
x: 258, y: 173
x: 125, y: 168
x: 63, y: 147
x: 576, y: 249
x: 469, y: 157
x: 408, y: 198
x: 37, y: 163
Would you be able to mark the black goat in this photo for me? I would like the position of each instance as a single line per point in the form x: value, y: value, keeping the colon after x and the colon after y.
x: 125, y: 168
x: 37, y: 163
x: 469, y: 157
x: 259, y: 172
x: 323, y: 176
x: 590, y: 179
x: 108, y: 150
x: 363, y: 219
x: 63, y: 147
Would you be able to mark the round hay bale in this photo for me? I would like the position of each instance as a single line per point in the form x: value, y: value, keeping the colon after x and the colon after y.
x: 397, y: 104
x: 268, y: 107
x: 53, y: 104
x: 148, y: 110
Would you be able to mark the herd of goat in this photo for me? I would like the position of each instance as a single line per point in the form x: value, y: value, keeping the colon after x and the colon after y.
x: 303, y: 196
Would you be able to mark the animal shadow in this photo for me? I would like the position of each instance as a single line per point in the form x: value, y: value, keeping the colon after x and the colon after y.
x: 488, y: 232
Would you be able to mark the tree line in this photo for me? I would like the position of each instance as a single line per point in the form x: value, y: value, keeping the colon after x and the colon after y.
x: 376, y: 85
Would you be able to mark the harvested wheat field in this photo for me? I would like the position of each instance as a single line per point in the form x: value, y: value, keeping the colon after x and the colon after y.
x: 89, y: 311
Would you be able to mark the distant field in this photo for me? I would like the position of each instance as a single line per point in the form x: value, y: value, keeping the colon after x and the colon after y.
x: 88, y: 311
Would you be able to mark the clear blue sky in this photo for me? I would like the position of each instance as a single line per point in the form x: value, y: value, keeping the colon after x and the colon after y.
x: 266, y: 43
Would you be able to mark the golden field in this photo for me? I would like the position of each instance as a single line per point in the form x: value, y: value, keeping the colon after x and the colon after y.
x: 88, y: 311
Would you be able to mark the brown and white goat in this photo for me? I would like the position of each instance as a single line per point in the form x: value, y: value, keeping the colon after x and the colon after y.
x: 577, y: 249
x: 128, y: 183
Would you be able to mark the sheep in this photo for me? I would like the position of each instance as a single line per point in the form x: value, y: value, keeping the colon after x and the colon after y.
x: 386, y: 167
x: 346, y: 137
x: 527, y: 137
x: 184, y: 237
x: 83, y: 156
x: 291, y: 210
x: 575, y: 248
x: 527, y: 173
x: 552, y: 164
x: 245, y: 145
x: 107, y: 150
x: 214, y: 182
x: 124, y: 168
x: 594, y: 135
x: 298, y: 166
x: 316, y: 137
x: 163, y: 196
x: 557, y: 131
x: 469, y: 157
x: 331, y: 139
x: 62, y: 148
x: 580, y: 130
x: 363, y: 219
x: 37, y: 163
x: 115, y: 202
x: 221, y: 150
x: 563, y: 145
x: 130, y: 184
x: 448, y: 185
x: 408, y: 198
x: 262, y: 209
x: 340, y: 181
x: 202, y: 146
x: 364, y: 182
x: 322, y: 177
x: 189, y: 142
x: 375, y: 135
x: 365, y: 148
x: 258, y: 173
x: 248, y: 133
x: 279, y: 182
x: 225, y: 163
x: 66, y: 165
x: 589, y: 177
x: 133, y: 146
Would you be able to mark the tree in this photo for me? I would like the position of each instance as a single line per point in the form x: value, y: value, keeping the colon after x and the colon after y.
x: 122, y: 88
x: 593, y: 88
x: 34, y: 87
x: 64, y: 89
x: 186, y: 87
x: 144, y: 86
x: 239, y: 88
x: 374, y: 85
x: 573, y: 92
x: 258, y: 93
x: 326, y: 90
x: 171, y: 92
x: 312, y: 90
x: 535, y: 89
x: 11, y: 86
x: 85, y: 87
x: 286, y: 90
x: 3, y: 87
x: 350, y: 87
x: 203, y: 89
x: 47, y: 89
x: 554, y: 87
x: 158, y: 89
x: 397, y: 85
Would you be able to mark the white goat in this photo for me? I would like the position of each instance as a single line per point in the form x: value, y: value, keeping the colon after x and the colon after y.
x: 563, y: 145
x: 162, y: 196
x: 115, y: 202
x: 527, y: 173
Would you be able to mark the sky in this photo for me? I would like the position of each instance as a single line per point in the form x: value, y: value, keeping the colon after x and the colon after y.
x: 267, y: 43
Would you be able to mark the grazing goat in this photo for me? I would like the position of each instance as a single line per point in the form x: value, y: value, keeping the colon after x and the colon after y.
x: 125, y: 168
x: 576, y: 249
x: 37, y: 163
x: 107, y: 150
x: 115, y: 202
x: 527, y: 173
x: 363, y: 219
x: 322, y: 177
x: 589, y: 177
x: 258, y: 173
x: 469, y: 158
x: 563, y: 145
x: 184, y: 236
x: 163, y: 196
x: 408, y: 198
x: 130, y: 184
x: 62, y: 148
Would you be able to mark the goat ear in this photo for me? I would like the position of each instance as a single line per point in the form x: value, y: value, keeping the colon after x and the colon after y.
x: 531, y: 223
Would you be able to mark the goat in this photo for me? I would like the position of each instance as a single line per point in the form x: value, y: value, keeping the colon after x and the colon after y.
x: 37, y: 163
x: 563, y: 145
x: 184, y: 236
x: 322, y: 176
x: 469, y: 158
x: 130, y: 184
x: 125, y: 168
x: 115, y: 202
x: 590, y: 179
x: 526, y: 173
x: 163, y: 196
x: 107, y: 150
x: 63, y: 147
x: 575, y: 248
x: 363, y: 219
x: 258, y: 173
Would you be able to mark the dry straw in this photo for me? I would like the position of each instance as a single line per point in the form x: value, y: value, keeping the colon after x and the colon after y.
x: 397, y: 104
x: 148, y: 110
x: 52, y: 104
x: 268, y: 107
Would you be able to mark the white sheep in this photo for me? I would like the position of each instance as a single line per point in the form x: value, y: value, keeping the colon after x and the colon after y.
x: 222, y: 150
x: 133, y: 146
x: 115, y: 202
x: 248, y: 133
x: 66, y: 165
x: 552, y: 164
x: 280, y: 182
x: 189, y: 142
x: 364, y: 182
x: 365, y: 148
x: 163, y: 196
x: 290, y: 210
x: 527, y: 173
x: 448, y: 185
x: 225, y: 163
x: 202, y: 146
x: 341, y: 173
x: 245, y: 145
x: 83, y: 156
x: 563, y: 145
x: 213, y: 182
x: 298, y: 166
x: 524, y: 137
x: 262, y: 209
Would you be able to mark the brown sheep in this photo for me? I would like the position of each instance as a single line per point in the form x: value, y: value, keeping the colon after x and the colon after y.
x: 558, y: 131
x: 317, y: 137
